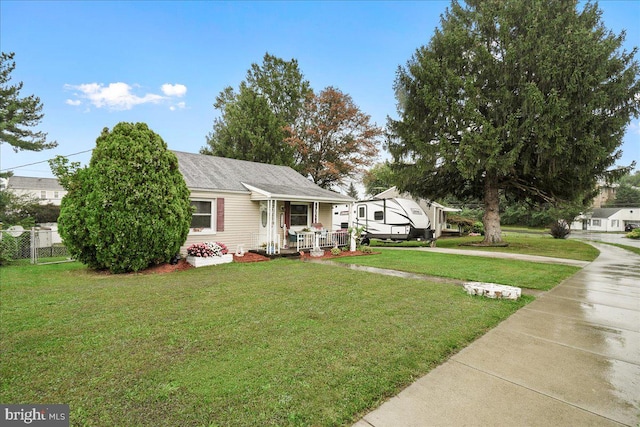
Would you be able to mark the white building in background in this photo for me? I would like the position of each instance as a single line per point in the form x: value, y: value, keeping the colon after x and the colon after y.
x: 46, y: 190
x: 607, y: 219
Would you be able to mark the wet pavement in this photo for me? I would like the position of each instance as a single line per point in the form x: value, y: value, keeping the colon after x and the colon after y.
x: 571, y: 357
x: 617, y: 238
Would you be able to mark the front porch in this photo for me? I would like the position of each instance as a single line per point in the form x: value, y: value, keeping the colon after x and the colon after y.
x: 292, y: 219
x: 300, y: 241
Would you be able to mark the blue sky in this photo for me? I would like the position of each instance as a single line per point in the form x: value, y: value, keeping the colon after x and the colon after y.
x: 94, y: 64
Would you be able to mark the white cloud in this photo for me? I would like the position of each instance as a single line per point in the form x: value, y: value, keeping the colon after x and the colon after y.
x: 115, y: 96
x: 73, y: 102
x: 178, y: 106
x: 174, y: 90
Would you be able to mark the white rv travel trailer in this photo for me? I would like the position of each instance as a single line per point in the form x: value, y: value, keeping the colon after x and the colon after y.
x: 385, y: 219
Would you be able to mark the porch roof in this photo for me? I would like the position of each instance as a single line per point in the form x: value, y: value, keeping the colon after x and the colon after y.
x: 299, y: 194
x: 262, y: 181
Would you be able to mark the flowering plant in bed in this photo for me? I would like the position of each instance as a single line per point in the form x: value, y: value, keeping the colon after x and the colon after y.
x: 208, y: 253
x: 207, y: 249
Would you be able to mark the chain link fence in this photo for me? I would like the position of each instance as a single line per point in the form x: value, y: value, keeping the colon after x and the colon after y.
x: 34, y: 246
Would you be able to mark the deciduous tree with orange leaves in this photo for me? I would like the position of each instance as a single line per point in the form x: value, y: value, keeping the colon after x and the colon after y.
x: 333, y: 139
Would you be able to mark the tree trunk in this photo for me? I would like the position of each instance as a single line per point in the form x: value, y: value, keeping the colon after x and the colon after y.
x: 491, y: 217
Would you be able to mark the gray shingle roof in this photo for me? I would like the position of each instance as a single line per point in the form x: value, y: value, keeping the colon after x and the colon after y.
x: 604, y: 212
x: 32, y: 183
x: 203, y: 172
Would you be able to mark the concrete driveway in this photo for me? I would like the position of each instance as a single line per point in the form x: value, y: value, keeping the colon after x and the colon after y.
x: 570, y: 358
x: 618, y: 238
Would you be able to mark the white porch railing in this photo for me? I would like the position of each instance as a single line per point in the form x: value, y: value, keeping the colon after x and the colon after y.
x: 326, y: 239
x: 304, y: 240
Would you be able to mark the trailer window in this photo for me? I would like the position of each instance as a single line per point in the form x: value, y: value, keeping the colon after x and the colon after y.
x: 362, y: 212
x: 378, y: 215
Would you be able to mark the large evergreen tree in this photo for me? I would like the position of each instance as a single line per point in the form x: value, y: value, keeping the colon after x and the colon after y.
x: 526, y: 97
x: 254, y: 120
x: 130, y: 207
x: 18, y: 115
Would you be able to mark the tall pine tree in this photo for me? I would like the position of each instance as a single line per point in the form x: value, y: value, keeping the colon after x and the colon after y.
x: 528, y: 98
x: 18, y: 115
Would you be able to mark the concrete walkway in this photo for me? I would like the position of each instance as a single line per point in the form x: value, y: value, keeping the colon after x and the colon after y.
x: 570, y: 358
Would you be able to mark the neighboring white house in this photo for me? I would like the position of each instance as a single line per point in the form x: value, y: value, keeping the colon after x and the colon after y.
x: 46, y: 190
x: 607, y: 219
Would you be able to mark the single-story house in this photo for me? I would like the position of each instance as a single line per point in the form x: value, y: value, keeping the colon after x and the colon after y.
x: 248, y: 205
x: 607, y: 219
x: 46, y: 190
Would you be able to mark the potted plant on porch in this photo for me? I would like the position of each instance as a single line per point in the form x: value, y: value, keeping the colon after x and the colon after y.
x: 208, y: 253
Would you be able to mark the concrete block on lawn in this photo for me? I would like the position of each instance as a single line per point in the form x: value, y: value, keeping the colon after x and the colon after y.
x: 493, y: 290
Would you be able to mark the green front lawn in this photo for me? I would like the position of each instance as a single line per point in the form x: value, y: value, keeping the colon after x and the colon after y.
x: 528, y: 244
x: 277, y: 343
x: 522, y: 274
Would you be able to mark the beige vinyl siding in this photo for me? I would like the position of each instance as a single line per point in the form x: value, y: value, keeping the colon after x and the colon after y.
x: 325, y: 215
x: 241, y: 219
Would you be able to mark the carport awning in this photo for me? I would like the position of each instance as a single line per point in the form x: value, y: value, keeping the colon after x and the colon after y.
x: 261, y: 192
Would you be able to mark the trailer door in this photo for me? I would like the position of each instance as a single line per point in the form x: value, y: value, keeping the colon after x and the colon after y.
x: 361, y: 215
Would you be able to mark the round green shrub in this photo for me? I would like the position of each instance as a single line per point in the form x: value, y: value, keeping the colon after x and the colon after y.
x: 634, y: 234
x: 8, y: 248
x: 130, y: 208
x: 336, y: 251
x: 560, y: 229
x: 477, y: 227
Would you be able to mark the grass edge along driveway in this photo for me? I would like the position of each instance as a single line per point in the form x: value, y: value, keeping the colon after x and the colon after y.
x: 278, y: 343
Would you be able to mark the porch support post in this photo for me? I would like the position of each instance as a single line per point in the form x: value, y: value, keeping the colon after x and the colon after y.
x: 271, y: 227
x: 268, y: 249
x: 352, y: 237
x: 316, y: 208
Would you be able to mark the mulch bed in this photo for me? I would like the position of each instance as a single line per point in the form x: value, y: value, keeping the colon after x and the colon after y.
x: 485, y: 245
x: 167, y: 268
x: 250, y: 257
x: 247, y: 257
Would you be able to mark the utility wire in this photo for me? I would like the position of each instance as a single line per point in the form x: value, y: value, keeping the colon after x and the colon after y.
x: 43, y: 161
